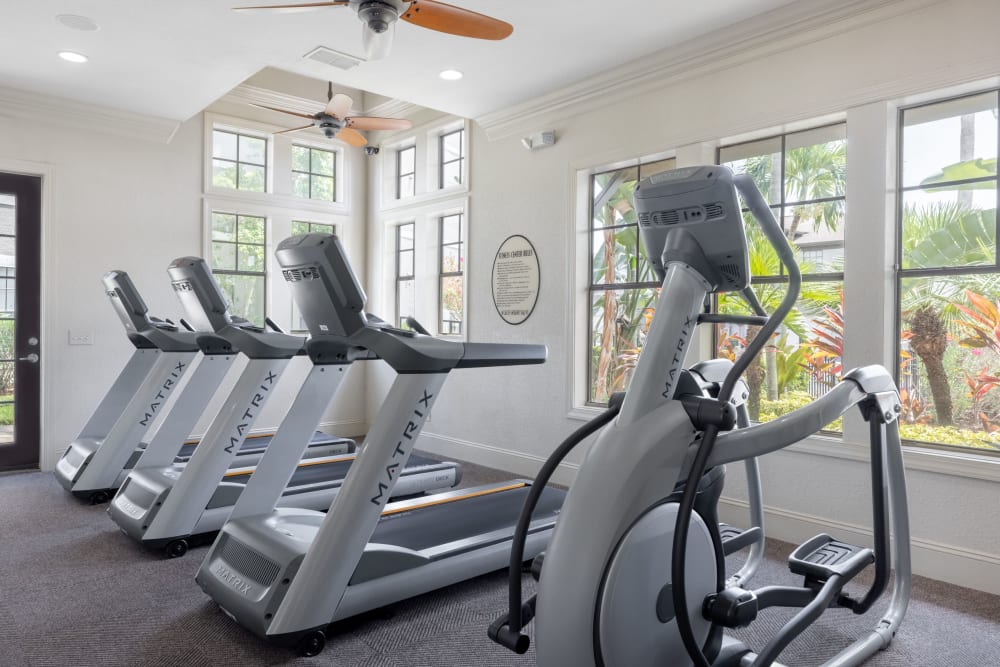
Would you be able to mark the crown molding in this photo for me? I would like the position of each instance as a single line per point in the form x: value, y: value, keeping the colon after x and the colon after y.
x: 394, y: 109
x: 62, y: 112
x: 248, y: 94
x: 780, y: 30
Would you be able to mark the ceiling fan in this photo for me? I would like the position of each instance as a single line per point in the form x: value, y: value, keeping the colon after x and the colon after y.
x: 335, y: 120
x: 380, y: 16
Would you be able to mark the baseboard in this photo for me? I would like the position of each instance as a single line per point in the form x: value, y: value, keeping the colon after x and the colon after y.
x: 955, y: 565
x: 518, y: 463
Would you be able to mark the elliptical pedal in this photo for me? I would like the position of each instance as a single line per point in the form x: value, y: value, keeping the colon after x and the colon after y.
x: 734, y: 539
x: 822, y: 557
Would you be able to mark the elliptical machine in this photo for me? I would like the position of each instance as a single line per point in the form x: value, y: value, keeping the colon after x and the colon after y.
x: 634, y: 573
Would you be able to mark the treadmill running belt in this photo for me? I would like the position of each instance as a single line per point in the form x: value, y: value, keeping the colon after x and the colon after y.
x: 434, y: 525
x: 311, y: 473
x: 255, y: 443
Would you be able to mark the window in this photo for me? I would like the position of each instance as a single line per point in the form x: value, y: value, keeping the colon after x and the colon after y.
x: 406, y: 284
x: 948, y: 277
x: 406, y: 172
x: 239, y: 245
x: 451, y: 272
x: 239, y: 161
x: 314, y: 173
x: 623, y: 288
x: 302, y: 227
x: 451, y: 152
x: 803, y: 177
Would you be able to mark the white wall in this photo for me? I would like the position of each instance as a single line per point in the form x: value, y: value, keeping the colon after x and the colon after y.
x: 513, y: 417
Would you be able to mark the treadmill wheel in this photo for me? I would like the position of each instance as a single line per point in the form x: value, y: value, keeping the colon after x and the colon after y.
x: 99, y: 497
x: 311, y: 644
x: 176, y: 548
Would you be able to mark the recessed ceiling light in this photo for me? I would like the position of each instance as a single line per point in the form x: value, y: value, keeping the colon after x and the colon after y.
x: 77, y: 22
x: 451, y: 75
x: 73, y: 56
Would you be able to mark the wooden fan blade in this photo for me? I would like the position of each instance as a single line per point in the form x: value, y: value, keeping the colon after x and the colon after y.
x: 375, y: 123
x: 290, y: 113
x: 339, y: 105
x: 294, y: 129
x: 352, y: 137
x: 296, y: 8
x: 455, y: 20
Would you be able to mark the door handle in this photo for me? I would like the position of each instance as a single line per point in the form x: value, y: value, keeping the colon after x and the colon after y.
x: 31, y: 358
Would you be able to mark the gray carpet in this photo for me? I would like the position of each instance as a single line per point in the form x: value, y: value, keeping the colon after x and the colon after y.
x: 74, y: 591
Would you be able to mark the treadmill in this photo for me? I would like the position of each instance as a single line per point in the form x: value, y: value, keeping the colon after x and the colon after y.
x: 167, y: 506
x: 110, y: 444
x: 287, y: 573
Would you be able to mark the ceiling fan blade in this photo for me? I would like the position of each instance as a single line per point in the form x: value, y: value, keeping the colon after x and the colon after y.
x: 301, y: 7
x: 375, y: 123
x: 339, y: 105
x: 455, y: 20
x: 290, y: 113
x: 352, y: 137
x: 294, y: 129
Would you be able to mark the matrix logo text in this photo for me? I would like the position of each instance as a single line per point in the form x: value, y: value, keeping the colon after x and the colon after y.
x: 251, y: 412
x: 403, y: 446
x: 161, y: 395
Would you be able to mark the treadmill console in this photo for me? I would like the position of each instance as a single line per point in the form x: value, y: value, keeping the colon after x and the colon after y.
x: 204, y: 304
x: 125, y: 299
x: 323, y: 284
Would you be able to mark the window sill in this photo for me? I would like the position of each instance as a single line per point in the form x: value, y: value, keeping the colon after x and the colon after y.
x: 425, y: 198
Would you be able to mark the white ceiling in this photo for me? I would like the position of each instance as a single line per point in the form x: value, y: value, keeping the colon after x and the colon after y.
x: 173, y: 58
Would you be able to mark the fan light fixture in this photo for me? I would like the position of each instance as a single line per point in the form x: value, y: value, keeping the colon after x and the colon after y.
x: 73, y: 56
x: 451, y: 75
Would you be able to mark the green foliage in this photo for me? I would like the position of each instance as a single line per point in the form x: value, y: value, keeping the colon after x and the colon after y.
x: 949, y: 435
x: 6, y: 411
x: 792, y: 400
x: 966, y: 170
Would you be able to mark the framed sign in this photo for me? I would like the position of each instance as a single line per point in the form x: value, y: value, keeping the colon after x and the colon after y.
x: 515, y: 279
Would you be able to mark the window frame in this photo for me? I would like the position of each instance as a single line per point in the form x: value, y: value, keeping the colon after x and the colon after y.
x: 400, y: 175
x: 442, y: 163
x: 263, y: 273
x: 900, y: 274
x: 334, y: 159
x: 442, y: 274
x: 399, y: 278
x: 268, y: 147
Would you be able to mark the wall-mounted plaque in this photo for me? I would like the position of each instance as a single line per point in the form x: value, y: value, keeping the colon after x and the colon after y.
x: 515, y: 279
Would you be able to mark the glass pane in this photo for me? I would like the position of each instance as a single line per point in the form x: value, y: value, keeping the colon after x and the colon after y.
x: 451, y: 146
x: 223, y: 227
x: 950, y: 141
x: 405, y: 263
x: 949, y: 356
x: 650, y: 168
x: 451, y: 305
x: 7, y: 396
x: 451, y: 258
x: 949, y: 227
x: 619, y: 322
x: 224, y: 256
x: 760, y: 159
x: 8, y: 288
x: 322, y: 162
x: 223, y: 174
x: 804, y: 358
x: 322, y: 188
x: 406, y: 300
x: 251, y: 178
x: 407, y: 160
x: 253, y: 150
x: 300, y: 185
x: 299, y: 227
x: 245, y: 294
x: 250, y: 258
x: 7, y: 353
x: 612, y: 204
x: 224, y: 145
x: 817, y: 231
x: 763, y: 258
x: 7, y: 206
x: 300, y: 158
x: 251, y: 229
x: 816, y: 164
x: 405, y: 237
x: 406, y: 186
x: 615, y: 255
x: 320, y: 228
x: 451, y: 174
x: 451, y: 229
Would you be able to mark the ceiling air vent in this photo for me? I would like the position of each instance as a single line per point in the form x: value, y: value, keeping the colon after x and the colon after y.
x: 327, y: 56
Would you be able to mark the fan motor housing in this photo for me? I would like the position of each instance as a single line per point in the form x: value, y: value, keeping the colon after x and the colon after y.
x: 378, y: 15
